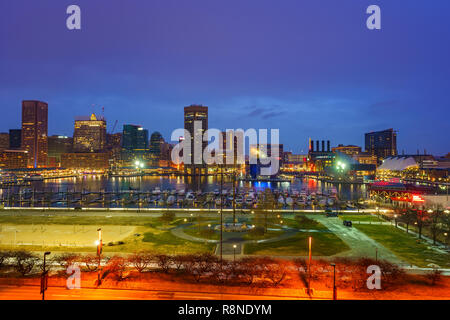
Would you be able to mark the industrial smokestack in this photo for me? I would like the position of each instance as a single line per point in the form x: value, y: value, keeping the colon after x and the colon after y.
x: 328, y: 146
x: 323, y: 145
x: 317, y: 146
x: 311, y: 146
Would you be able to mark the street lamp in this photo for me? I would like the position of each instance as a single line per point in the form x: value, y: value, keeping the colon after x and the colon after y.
x: 309, y: 264
x: 99, y: 244
x: 139, y: 165
x: 44, y: 277
x: 395, y: 219
x: 334, y: 281
x: 234, y: 251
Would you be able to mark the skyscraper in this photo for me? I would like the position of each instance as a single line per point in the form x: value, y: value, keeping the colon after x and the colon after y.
x: 135, y: 145
x: 155, y: 143
x: 58, y: 145
x: 134, y: 137
x: 15, y: 139
x: 382, y: 144
x: 34, y: 132
x: 192, y: 114
x: 89, y: 134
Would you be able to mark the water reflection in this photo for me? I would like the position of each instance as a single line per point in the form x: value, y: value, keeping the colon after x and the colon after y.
x: 205, y: 184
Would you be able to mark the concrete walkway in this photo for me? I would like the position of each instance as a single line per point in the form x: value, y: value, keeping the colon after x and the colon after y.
x: 360, y: 244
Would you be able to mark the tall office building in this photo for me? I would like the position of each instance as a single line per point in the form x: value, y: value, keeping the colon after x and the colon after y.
x: 57, y: 145
x: 134, y: 137
x: 231, y: 141
x: 155, y: 143
x: 381, y: 144
x: 192, y: 114
x: 89, y: 134
x: 34, y: 132
x: 15, y: 139
x: 135, y: 146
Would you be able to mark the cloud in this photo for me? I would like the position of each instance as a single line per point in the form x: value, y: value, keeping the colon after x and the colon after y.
x: 265, y: 112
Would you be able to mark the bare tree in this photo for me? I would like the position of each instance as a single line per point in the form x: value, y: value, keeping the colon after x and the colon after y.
x: 141, y: 260
x: 91, y: 262
x: 408, y: 217
x: 164, y: 261
x: 421, y: 220
x: 116, y: 266
x: 4, y: 256
x: 435, y: 221
x: 434, y: 276
x: 276, y: 271
x: 24, y: 261
x: 246, y: 270
x: 66, y: 259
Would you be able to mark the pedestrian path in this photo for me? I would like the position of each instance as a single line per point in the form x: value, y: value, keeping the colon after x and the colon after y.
x: 360, y: 244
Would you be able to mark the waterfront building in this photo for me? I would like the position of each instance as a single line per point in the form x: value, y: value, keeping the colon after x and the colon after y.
x: 320, y: 160
x: 114, y: 146
x: 13, y: 159
x: 192, y: 114
x: 134, y: 137
x: 350, y: 149
x: 34, y: 132
x: 415, y: 168
x: 381, y: 144
x: 58, y: 145
x: 85, y: 161
x: 156, y: 140
x: 135, y: 146
x: 89, y: 134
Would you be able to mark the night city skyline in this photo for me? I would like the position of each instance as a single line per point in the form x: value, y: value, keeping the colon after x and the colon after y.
x: 253, y: 66
x: 237, y: 153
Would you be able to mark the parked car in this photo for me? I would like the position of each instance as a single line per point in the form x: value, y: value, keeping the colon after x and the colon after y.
x: 330, y: 213
x: 347, y: 223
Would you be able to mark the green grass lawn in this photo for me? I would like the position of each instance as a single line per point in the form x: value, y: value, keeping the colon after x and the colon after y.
x: 154, y: 233
x: 165, y: 242
x: 204, y: 231
x: 405, y: 245
x: 267, y: 235
x: 360, y: 217
x: 300, y: 221
x: 90, y: 220
x: 324, y: 244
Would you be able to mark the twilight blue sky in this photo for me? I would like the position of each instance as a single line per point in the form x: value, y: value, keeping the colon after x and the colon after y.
x: 308, y: 67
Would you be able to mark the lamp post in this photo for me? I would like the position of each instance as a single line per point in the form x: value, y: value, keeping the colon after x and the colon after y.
x: 221, y: 215
x: 309, y: 264
x: 234, y: 253
x: 334, y: 281
x: 139, y: 165
x: 99, y: 254
x: 44, y: 277
x: 395, y: 219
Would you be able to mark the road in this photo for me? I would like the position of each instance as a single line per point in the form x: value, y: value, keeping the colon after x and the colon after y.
x: 60, y: 293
